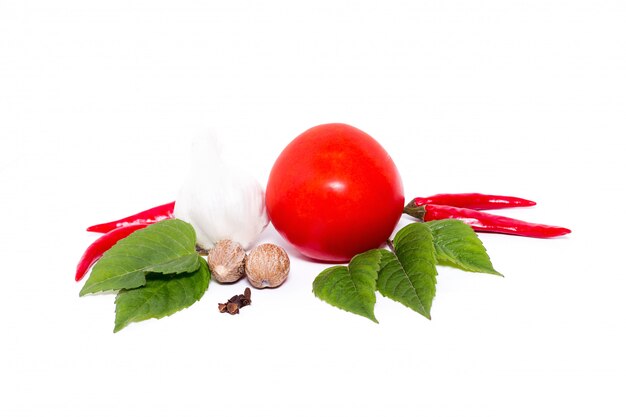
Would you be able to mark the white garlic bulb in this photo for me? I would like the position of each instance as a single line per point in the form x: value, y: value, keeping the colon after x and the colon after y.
x: 219, y: 200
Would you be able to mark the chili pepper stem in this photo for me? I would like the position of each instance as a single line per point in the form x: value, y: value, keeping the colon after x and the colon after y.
x: 416, y: 211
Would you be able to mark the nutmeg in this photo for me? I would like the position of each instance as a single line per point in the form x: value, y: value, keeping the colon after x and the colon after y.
x: 226, y: 261
x: 267, y: 265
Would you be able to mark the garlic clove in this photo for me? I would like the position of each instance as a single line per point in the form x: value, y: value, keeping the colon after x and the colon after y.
x: 219, y: 199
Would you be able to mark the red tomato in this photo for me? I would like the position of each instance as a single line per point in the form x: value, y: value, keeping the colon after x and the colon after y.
x: 334, y: 192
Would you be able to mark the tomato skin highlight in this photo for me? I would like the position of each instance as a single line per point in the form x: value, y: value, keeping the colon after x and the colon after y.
x: 334, y: 192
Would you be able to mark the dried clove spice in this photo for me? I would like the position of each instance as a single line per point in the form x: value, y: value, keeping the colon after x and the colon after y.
x: 236, y: 302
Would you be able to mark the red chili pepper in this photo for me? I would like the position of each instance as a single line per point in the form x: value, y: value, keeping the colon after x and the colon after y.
x: 474, y: 201
x: 153, y: 215
x: 101, y: 245
x: 484, y: 222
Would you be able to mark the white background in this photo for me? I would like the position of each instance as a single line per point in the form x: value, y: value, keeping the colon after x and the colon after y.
x: 98, y: 104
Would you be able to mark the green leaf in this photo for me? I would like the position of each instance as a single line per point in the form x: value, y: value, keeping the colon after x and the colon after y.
x: 167, y: 247
x: 409, y: 275
x: 351, y: 288
x: 457, y: 245
x: 163, y: 295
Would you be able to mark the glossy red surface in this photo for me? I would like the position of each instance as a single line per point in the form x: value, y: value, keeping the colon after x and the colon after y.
x: 334, y: 192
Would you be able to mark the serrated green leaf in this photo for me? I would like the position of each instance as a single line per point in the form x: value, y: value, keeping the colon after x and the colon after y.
x: 167, y: 247
x: 457, y: 245
x: 351, y: 288
x: 409, y: 275
x: 163, y: 295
